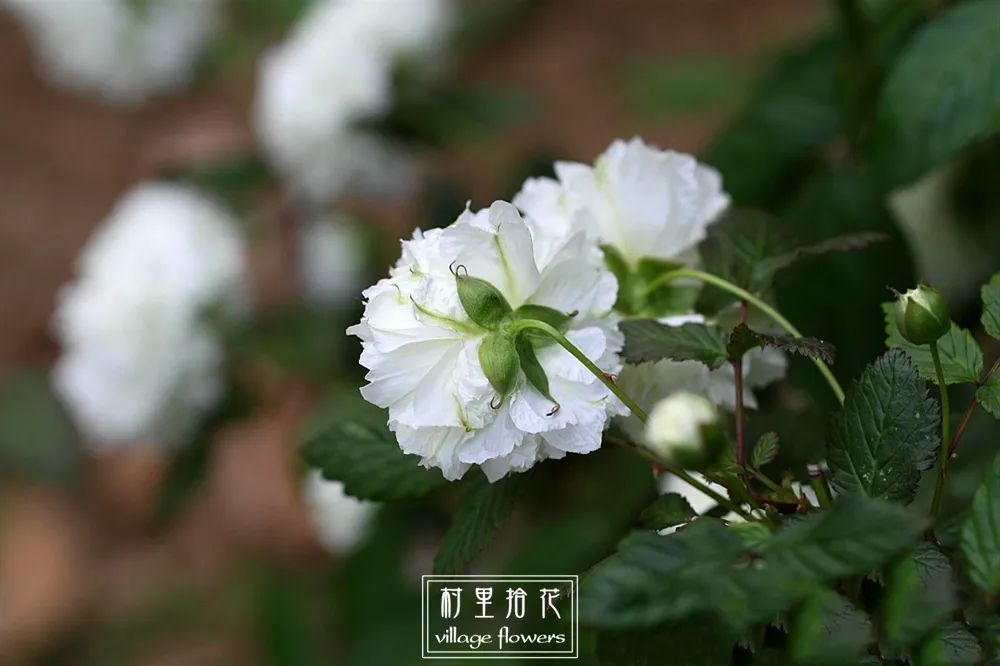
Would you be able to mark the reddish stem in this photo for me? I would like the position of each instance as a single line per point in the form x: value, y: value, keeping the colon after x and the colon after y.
x: 741, y: 456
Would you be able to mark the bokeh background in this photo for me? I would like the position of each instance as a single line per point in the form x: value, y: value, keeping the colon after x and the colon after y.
x: 214, y: 551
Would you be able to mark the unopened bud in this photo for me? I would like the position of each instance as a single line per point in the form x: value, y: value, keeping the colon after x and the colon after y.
x: 483, y: 302
x: 922, y: 315
x: 684, y: 429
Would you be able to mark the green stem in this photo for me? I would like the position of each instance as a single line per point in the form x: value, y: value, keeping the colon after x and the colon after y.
x: 725, y: 285
x: 945, y: 421
x: 822, y: 492
x: 548, y: 330
x: 719, y: 499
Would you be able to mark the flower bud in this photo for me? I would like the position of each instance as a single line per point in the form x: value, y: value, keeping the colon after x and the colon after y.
x: 498, y: 357
x: 922, y: 315
x: 483, y: 302
x: 684, y: 429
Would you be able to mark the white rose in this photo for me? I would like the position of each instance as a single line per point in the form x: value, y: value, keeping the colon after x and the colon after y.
x: 114, y: 48
x: 683, y: 428
x: 422, y: 349
x: 139, y: 361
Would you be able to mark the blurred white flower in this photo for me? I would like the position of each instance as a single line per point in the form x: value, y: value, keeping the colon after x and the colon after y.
x: 643, y: 201
x: 684, y: 428
x: 331, y: 253
x: 333, y: 72
x: 648, y: 383
x: 140, y: 361
x: 340, y: 521
x: 422, y: 349
x: 120, y: 50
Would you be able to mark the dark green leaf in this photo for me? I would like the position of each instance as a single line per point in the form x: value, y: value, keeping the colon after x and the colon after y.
x: 765, y: 450
x: 919, y: 596
x: 845, y: 243
x: 961, y: 357
x: 828, y: 629
x: 854, y: 536
x: 886, y: 432
x: 991, y: 306
x: 668, y: 510
x: 694, y: 642
x: 649, y: 340
x: 981, y: 533
x: 364, y: 455
x: 942, y: 94
x: 36, y: 439
x: 988, y: 395
x: 952, y: 645
x: 742, y: 339
x: 482, y: 508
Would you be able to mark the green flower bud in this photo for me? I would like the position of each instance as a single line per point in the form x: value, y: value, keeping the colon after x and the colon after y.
x: 499, y: 359
x: 483, y: 302
x: 684, y: 429
x: 922, y: 315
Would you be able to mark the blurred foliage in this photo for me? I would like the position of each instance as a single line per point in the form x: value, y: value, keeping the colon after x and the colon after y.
x: 37, y: 441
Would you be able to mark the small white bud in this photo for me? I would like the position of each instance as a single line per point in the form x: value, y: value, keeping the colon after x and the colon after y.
x: 683, y: 428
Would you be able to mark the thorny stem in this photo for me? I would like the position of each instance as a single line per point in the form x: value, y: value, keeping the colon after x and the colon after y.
x: 587, y: 363
x: 971, y: 408
x: 945, y: 418
x: 743, y: 294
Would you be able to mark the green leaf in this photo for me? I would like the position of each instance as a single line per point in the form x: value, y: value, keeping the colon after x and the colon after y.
x: 919, y: 597
x: 36, y: 438
x: 988, y: 395
x: 942, y: 94
x: 482, y: 508
x: 765, y: 450
x: 981, y: 534
x: 952, y: 645
x: 364, y: 455
x: 828, y: 629
x: 649, y: 340
x: 742, y: 339
x: 991, y: 306
x: 886, y: 432
x: 961, y: 357
x: 666, y: 511
x: 845, y: 243
x: 698, y: 641
x: 854, y: 536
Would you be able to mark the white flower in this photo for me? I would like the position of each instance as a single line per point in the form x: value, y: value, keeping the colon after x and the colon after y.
x: 331, y: 253
x: 643, y: 201
x: 139, y: 360
x: 340, y: 521
x: 682, y: 428
x: 118, y: 49
x: 648, y: 383
x: 422, y: 350
x: 333, y: 72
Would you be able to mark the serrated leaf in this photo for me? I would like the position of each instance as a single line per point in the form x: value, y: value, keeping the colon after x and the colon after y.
x: 961, y: 357
x: 482, y: 508
x: 991, y: 306
x: 828, y: 629
x: 952, y: 645
x: 765, y: 450
x: 988, y: 395
x: 845, y: 243
x: 648, y: 340
x: 742, y: 339
x: 666, y: 511
x: 919, y: 596
x: 942, y: 94
x: 886, y: 432
x: 980, y: 542
x: 855, y: 535
x: 364, y: 455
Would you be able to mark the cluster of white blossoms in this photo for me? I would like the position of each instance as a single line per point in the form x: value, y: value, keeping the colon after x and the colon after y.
x: 332, y: 73
x: 140, y: 360
x: 120, y: 50
x: 340, y: 521
x: 448, y: 401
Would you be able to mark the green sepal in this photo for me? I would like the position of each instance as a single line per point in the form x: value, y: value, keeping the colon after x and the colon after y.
x: 483, y: 302
x: 533, y: 370
x: 499, y: 359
